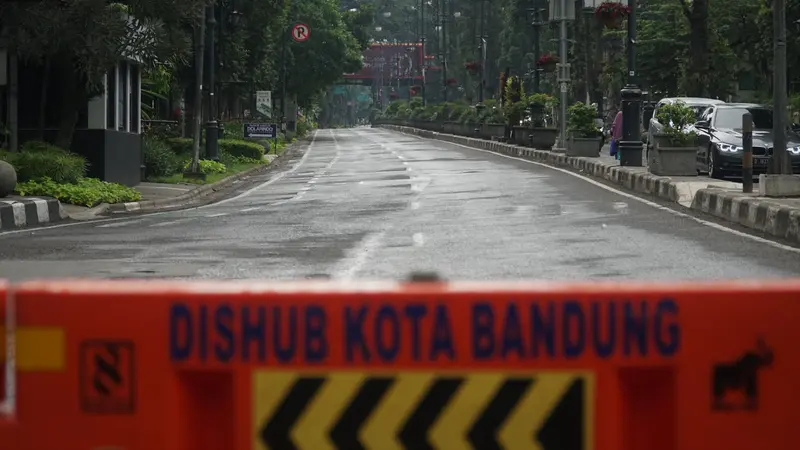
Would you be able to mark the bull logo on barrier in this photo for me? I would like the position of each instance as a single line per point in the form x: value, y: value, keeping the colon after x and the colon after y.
x: 739, y: 377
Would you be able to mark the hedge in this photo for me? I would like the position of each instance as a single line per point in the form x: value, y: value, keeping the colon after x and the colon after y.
x: 37, y: 160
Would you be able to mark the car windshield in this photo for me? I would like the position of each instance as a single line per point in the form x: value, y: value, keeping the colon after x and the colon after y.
x: 698, y: 110
x: 732, y: 118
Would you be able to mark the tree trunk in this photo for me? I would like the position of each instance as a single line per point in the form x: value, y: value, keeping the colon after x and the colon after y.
x: 696, y: 80
x: 73, y: 96
x: 43, y: 98
x: 197, y: 116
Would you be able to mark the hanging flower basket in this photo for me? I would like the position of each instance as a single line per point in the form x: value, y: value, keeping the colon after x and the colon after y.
x: 473, y: 67
x: 394, y: 96
x: 547, y: 62
x: 451, y: 81
x: 612, y: 14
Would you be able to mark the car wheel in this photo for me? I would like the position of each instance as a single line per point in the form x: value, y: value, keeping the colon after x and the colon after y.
x: 713, y: 169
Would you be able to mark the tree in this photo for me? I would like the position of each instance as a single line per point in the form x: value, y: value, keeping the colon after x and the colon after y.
x: 76, y: 42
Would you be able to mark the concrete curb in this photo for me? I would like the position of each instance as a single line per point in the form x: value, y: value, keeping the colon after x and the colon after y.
x: 29, y: 211
x: 759, y: 214
x: 188, y: 198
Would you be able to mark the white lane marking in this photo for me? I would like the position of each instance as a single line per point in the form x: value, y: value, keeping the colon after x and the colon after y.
x: 217, y: 215
x: 419, y: 239
x: 414, y: 205
x: 160, y: 213
x: 171, y: 222
x: 120, y: 224
x: 655, y: 205
x: 250, y: 209
x: 271, y: 180
x: 358, y: 256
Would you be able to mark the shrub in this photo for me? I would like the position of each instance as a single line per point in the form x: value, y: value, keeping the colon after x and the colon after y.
x: 676, y: 118
x: 580, y: 121
x: 159, y: 159
x: 37, y: 160
x: 238, y: 147
x: 85, y: 192
x: 207, y: 166
x: 233, y: 129
x: 181, y: 146
x: 230, y: 160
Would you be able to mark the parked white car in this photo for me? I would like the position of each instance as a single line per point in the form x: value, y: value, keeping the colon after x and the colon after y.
x: 697, y: 103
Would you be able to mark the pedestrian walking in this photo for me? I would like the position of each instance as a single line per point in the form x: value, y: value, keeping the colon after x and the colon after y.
x: 616, y: 134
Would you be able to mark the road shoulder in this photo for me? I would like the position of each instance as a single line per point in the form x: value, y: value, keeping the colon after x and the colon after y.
x: 773, y: 217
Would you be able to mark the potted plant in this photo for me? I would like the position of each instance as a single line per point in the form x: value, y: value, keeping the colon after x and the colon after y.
x: 491, y: 119
x: 611, y: 14
x: 547, y: 62
x: 675, y: 149
x: 542, y: 136
x: 585, y: 139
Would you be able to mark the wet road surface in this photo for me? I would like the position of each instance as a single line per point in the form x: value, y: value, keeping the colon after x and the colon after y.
x: 371, y: 203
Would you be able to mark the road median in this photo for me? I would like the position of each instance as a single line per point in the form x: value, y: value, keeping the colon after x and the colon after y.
x: 775, y: 217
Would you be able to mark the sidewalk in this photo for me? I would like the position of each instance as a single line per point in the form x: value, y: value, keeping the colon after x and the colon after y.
x: 776, y: 217
x: 163, y: 196
x: 151, y: 192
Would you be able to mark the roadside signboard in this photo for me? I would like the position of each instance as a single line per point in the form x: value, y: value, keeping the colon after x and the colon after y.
x: 264, y: 103
x: 261, y: 130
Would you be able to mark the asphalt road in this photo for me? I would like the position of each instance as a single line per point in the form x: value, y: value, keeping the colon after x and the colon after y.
x: 371, y: 203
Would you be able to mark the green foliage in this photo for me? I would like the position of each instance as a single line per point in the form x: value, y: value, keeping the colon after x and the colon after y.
x: 207, y: 166
x: 181, y: 146
x: 40, y: 159
x: 541, y: 100
x: 84, y: 192
x: 159, y: 159
x: 238, y: 147
x: 676, y: 117
x: 491, y: 112
x: 580, y: 120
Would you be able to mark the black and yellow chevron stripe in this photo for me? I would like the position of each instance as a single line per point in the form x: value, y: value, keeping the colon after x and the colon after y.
x: 422, y: 411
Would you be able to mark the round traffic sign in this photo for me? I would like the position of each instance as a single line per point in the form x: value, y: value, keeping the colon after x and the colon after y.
x: 300, y: 32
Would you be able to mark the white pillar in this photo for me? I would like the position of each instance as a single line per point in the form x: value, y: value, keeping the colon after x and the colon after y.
x: 97, y: 109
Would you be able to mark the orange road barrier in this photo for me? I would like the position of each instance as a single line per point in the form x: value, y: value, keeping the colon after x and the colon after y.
x: 132, y: 365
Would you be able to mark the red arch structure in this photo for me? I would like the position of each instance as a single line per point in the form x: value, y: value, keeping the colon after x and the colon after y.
x: 389, y: 64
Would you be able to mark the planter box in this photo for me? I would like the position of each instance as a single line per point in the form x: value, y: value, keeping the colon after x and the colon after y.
x: 451, y: 127
x: 543, y: 138
x: 673, y: 161
x: 665, y: 160
x: 522, y: 136
x: 586, y: 147
x: 489, y: 130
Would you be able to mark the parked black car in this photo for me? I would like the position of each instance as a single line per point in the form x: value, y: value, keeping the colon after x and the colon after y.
x: 721, y: 153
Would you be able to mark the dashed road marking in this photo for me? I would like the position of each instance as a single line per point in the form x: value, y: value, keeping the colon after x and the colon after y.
x: 120, y: 224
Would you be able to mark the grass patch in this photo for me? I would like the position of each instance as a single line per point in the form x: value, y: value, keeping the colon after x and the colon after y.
x: 210, y: 178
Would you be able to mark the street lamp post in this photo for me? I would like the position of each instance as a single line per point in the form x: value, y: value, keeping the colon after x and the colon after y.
x: 422, y: 49
x: 630, y: 146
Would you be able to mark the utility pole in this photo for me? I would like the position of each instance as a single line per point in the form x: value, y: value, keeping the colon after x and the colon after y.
x: 537, y: 51
x: 443, y: 46
x: 212, y: 126
x: 422, y: 41
x: 482, y: 52
x: 631, y: 145
x: 780, y: 158
x: 562, y: 11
